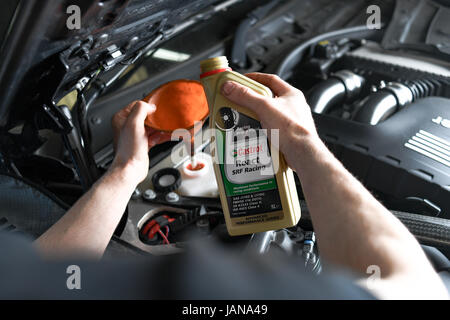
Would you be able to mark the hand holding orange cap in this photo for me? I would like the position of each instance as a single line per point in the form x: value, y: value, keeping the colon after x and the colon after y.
x: 179, y: 104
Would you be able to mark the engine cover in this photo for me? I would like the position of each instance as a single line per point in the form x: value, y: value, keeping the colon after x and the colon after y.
x: 405, y: 159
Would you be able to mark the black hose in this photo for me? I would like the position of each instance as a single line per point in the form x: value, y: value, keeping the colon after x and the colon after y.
x: 326, y: 94
x: 296, y: 55
x: 432, y: 231
x: 376, y: 108
x: 381, y: 104
x: 238, y: 53
x: 342, y: 86
x: 439, y: 261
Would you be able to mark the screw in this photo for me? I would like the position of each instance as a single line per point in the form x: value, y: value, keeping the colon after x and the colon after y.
x: 172, y: 197
x: 96, y: 120
x: 149, y: 194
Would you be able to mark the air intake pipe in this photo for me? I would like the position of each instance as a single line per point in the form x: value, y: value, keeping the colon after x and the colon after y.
x: 342, y: 86
x: 390, y: 97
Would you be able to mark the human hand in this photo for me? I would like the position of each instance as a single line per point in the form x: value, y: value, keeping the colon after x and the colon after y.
x: 288, y: 111
x: 133, y: 140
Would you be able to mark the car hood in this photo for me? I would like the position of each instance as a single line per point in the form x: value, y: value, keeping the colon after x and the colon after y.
x: 44, y: 54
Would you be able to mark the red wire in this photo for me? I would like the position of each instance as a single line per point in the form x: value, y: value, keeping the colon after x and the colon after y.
x: 164, y: 237
x: 167, y: 231
x: 148, y: 226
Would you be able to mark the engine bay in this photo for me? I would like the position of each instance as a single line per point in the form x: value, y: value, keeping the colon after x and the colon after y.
x: 384, y: 118
x: 380, y: 104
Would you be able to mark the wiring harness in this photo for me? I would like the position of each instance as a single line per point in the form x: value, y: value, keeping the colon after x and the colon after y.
x: 162, y: 228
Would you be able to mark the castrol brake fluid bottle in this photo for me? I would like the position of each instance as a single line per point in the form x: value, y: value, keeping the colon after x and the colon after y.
x: 257, y: 189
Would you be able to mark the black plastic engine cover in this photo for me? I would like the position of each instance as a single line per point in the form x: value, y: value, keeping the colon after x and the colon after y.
x: 405, y: 158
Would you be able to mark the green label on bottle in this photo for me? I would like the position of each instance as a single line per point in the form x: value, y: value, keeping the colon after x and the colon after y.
x: 246, y: 165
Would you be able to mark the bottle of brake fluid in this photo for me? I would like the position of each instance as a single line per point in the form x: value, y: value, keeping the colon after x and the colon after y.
x: 257, y: 189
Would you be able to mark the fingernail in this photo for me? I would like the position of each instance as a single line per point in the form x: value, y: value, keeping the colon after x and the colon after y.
x: 227, y: 87
x: 152, y: 107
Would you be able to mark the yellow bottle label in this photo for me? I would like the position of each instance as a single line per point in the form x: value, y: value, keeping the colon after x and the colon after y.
x: 254, y: 182
x: 246, y: 168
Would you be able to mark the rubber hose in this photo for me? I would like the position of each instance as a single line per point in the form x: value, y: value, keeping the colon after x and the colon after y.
x: 376, y: 108
x: 431, y: 231
x: 296, y: 55
x: 428, y: 230
x: 326, y: 94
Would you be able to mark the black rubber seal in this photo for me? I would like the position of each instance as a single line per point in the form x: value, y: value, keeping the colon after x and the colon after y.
x: 163, y: 172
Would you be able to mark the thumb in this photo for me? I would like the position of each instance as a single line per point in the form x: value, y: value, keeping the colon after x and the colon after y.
x: 139, y: 112
x: 243, y: 96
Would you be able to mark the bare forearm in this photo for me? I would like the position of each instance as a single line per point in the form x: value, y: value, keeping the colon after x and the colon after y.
x: 354, y: 229
x: 89, y: 225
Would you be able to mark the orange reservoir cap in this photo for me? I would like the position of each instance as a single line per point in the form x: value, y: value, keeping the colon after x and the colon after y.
x: 179, y: 104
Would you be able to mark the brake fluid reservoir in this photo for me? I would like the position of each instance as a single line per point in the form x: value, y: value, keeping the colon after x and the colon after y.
x: 198, y: 178
x: 257, y: 189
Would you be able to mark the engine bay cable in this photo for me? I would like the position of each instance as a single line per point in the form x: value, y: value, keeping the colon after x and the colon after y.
x: 166, y: 241
x: 296, y: 55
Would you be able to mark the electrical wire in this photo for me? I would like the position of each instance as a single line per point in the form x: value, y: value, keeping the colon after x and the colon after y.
x: 164, y: 237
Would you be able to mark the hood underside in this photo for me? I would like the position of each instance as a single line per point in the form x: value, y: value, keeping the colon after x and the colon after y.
x: 44, y: 54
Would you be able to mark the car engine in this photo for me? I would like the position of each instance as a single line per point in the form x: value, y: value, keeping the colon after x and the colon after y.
x: 380, y: 98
